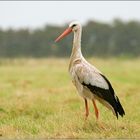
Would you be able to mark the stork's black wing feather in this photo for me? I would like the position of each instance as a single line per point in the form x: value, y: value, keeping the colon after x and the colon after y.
x: 108, y: 95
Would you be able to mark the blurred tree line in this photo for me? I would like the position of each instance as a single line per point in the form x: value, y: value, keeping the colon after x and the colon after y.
x: 98, y: 39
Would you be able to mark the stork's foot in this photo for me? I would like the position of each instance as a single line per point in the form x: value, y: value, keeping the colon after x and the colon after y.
x: 101, y: 125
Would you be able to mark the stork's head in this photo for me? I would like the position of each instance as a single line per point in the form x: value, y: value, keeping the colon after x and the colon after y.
x: 73, y: 27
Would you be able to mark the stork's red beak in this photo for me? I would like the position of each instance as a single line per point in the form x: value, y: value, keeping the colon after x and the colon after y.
x: 65, y: 33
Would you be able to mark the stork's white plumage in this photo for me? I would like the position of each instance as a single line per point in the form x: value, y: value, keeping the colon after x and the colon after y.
x: 89, y: 81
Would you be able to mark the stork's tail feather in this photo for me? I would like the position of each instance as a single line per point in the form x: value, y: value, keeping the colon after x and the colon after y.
x: 115, y: 103
x: 118, y: 107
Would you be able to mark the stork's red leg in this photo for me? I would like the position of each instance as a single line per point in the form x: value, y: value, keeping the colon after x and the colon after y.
x: 87, y: 109
x: 97, y: 115
x: 96, y: 109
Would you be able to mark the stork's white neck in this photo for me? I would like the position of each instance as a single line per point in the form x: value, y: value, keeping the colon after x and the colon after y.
x: 76, y: 50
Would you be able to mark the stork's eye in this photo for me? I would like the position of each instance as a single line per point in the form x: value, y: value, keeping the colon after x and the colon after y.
x: 73, y: 25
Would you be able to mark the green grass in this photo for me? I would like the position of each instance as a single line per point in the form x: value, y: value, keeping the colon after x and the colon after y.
x: 38, y: 100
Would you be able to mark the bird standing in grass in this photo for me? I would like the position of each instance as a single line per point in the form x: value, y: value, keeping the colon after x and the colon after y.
x: 89, y: 81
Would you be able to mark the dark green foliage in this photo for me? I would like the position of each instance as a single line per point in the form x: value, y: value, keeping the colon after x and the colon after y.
x: 99, y: 39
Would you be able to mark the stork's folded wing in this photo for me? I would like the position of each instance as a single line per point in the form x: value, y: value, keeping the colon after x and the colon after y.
x: 89, y: 75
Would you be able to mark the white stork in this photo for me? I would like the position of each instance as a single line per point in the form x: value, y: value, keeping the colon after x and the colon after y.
x: 89, y: 81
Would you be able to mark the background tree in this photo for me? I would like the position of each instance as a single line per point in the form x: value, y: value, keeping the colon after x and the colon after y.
x: 99, y: 39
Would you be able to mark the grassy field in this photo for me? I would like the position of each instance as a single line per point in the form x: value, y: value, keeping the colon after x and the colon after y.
x: 38, y: 100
